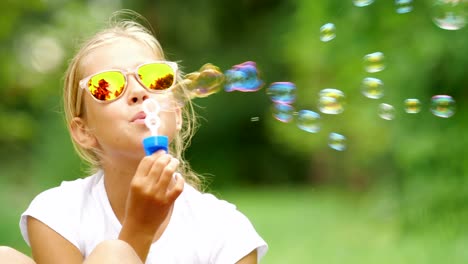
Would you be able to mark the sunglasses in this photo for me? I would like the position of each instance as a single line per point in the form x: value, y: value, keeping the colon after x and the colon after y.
x: 107, y: 86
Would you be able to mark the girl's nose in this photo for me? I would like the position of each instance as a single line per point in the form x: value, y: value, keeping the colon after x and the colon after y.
x: 136, y: 92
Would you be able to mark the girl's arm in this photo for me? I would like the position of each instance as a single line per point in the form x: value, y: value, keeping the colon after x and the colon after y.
x: 152, y: 194
x: 151, y: 197
x: 48, y: 247
x: 251, y: 258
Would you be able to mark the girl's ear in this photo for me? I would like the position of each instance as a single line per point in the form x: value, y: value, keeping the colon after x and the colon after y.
x: 81, y: 134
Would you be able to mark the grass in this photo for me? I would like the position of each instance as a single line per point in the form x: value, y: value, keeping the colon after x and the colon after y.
x: 302, y: 225
x: 305, y: 225
x: 14, y: 201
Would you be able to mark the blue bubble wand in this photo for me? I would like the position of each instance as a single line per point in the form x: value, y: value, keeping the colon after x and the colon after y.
x: 154, y: 142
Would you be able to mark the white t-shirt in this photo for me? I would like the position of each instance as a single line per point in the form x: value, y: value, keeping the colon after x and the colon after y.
x: 202, y: 228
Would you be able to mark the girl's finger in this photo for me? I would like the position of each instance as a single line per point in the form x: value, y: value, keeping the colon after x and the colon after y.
x: 146, y: 164
x: 167, y: 174
x: 158, y: 167
x: 174, y: 192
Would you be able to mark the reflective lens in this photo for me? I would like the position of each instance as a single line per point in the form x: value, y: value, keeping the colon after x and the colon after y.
x: 156, y: 76
x: 107, y: 86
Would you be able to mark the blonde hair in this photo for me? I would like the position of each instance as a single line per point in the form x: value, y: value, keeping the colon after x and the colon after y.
x: 118, y: 29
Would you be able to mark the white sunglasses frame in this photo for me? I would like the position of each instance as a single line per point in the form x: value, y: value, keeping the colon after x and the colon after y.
x: 83, y: 82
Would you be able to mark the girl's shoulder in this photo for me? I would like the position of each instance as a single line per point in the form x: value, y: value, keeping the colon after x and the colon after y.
x: 68, y: 191
x: 206, y: 209
x: 201, y: 200
x: 60, y: 207
x: 217, y: 226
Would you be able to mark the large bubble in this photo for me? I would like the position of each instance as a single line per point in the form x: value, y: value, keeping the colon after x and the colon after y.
x: 205, y: 82
x: 443, y: 106
x: 450, y: 14
x: 243, y: 77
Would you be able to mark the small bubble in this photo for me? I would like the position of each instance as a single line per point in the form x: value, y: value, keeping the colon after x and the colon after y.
x: 443, y: 106
x: 372, y: 88
x: 361, y: 3
x: 386, y: 111
x: 337, y: 141
x: 283, y: 112
x: 254, y: 119
x: 331, y: 101
x: 450, y: 14
x: 327, y: 32
x: 412, y: 106
x: 403, y: 6
x: 308, y: 121
x: 374, y: 62
x: 282, y: 92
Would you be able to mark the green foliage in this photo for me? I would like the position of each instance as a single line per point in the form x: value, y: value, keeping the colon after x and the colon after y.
x: 421, y: 154
x: 420, y: 157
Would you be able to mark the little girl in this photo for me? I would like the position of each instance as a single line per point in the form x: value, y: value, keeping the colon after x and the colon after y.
x: 134, y: 208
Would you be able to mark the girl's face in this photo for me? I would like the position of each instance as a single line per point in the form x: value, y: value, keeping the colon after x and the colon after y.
x: 118, y: 127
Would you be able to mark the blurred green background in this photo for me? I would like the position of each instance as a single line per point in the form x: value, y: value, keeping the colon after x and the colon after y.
x: 397, y: 194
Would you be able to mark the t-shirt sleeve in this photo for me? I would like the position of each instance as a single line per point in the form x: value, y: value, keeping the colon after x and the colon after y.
x: 237, y: 237
x: 54, y: 207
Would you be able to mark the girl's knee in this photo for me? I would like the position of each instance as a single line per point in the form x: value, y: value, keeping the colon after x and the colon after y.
x: 117, y: 245
x: 113, y: 251
x: 11, y: 255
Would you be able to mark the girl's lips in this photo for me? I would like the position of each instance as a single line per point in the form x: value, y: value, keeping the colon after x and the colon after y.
x: 139, y: 117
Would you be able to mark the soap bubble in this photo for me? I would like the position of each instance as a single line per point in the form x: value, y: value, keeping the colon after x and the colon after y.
x: 403, y: 6
x: 374, y: 62
x: 243, y: 77
x: 337, y: 141
x: 283, y: 112
x: 443, y: 106
x: 282, y: 92
x: 205, y: 82
x: 412, y: 106
x: 327, y: 32
x: 372, y: 88
x: 386, y: 111
x: 450, y: 14
x: 331, y: 101
x: 308, y: 121
x: 361, y: 3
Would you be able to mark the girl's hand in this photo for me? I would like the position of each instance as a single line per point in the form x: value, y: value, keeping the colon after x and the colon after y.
x: 153, y: 191
x: 151, y: 196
